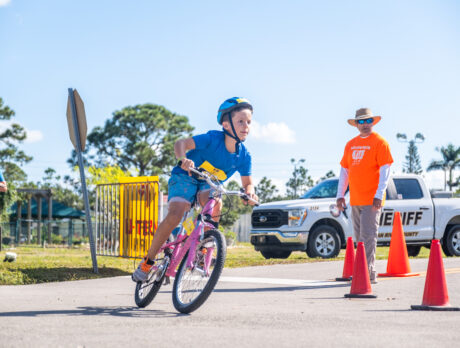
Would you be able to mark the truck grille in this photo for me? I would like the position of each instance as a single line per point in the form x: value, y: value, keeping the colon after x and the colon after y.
x: 269, y: 218
x: 265, y: 240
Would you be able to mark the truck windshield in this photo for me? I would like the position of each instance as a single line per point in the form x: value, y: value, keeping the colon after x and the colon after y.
x: 325, y: 189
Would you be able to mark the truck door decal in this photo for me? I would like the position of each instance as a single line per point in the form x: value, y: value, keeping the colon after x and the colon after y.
x: 407, y: 218
x: 406, y: 234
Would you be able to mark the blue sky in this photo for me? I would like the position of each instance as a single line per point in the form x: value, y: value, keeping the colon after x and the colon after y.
x: 306, y: 66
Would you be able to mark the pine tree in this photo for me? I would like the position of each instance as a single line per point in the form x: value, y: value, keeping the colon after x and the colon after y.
x: 11, y: 158
x: 412, y: 164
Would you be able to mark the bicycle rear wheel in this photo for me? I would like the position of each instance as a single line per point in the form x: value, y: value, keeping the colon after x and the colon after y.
x: 192, y: 286
x: 145, y: 292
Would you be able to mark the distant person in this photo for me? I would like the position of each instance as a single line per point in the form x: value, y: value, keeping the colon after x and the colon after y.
x: 365, y: 165
x: 3, y: 186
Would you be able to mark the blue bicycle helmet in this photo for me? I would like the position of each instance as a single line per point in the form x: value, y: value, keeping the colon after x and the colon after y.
x: 231, y: 104
x: 226, y: 108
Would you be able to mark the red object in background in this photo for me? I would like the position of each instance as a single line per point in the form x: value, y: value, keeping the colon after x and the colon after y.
x: 398, y: 261
x: 347, y: 273
x: 435, y: 296
x: 360, y: 284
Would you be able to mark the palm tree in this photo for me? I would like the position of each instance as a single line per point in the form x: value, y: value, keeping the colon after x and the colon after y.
x: 450, y: 161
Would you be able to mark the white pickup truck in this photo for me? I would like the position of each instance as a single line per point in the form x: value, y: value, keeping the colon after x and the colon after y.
x: 314, y: 224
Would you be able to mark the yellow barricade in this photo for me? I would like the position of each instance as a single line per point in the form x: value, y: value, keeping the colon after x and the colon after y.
x: 139, y: 202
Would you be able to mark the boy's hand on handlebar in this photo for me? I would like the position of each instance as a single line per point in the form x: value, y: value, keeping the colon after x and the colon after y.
x: 252, y: 195
x: 186, y: 164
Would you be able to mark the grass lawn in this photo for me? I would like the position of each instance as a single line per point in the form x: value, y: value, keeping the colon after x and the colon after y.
x: 40, y: 265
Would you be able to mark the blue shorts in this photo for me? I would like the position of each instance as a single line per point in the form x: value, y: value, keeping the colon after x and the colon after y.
x: 184, y: 187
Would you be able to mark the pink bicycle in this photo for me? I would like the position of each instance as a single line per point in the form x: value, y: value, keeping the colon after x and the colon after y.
x: 200, y: 256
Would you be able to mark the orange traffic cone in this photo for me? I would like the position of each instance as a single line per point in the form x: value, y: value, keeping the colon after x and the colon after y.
x: 360, y: 284
x: 349, y: 260
x: 398, y: 260
x: 435, y: 297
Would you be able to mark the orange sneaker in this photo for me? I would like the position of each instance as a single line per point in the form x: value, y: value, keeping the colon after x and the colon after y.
x: 142, y: 271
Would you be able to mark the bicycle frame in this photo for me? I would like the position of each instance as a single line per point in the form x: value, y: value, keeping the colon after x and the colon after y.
x: 185, y: 243
x: 180, y: 248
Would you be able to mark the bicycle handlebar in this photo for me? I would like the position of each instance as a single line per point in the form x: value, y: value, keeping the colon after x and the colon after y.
x: 218, y: 186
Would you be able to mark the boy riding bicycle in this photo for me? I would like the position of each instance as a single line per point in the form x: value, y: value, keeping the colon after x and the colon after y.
x: 219, y: 152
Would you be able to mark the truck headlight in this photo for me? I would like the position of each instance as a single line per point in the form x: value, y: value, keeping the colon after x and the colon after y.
x: 334, y: 210
x: 296, y: 217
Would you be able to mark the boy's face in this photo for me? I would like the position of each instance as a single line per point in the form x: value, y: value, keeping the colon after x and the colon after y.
x: 242, y: 123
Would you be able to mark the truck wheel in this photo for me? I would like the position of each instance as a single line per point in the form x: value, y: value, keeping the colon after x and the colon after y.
x: 444, y: 248
x: 413, y: 250
x: 267, y: 254
x: 323, y: 242
x: 276, y: 254
x: 451, y: 242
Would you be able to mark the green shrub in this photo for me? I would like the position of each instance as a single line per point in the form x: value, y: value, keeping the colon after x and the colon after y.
x: 7, y: 240
x: 230, y: 237
x: 57, y: 239
x: 7, y: 199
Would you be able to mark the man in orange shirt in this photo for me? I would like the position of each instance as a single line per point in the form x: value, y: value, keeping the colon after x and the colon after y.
x: 365, y: 165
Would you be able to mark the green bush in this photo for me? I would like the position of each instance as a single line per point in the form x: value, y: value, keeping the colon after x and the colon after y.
x: 7, y: 199
x: 80, y: 240
x: 230, y: 237
x: 56, y: 239
x: 7, y: 240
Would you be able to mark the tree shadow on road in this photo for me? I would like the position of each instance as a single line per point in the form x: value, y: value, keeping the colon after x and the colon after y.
x: 58, y: 274
x: 132, y: 312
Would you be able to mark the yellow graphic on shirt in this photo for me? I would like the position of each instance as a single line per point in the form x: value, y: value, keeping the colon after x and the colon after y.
x: 218, y: 173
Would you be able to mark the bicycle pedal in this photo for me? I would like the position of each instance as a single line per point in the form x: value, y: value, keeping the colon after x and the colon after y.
x: 167, y: 280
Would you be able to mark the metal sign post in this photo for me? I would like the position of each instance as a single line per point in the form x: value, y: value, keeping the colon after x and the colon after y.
x: 76, y: 120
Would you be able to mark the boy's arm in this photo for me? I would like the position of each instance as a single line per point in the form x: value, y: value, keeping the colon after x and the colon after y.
x: 249, y: 188
x: 180, y: 149
x: 3, y: 186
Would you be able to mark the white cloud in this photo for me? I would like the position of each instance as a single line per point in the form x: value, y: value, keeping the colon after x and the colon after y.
x: 33, y: 136
x: 273, y: 132
x: 4, y: 2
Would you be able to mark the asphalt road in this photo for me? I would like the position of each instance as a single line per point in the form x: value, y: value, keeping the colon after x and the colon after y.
x: 269, y: 306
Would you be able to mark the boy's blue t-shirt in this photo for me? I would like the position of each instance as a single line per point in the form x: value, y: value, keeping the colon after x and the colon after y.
x: 1, y: 177
x: 210, y: 147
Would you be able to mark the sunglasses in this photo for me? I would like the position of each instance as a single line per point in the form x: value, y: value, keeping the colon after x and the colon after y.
x: 367, y: 120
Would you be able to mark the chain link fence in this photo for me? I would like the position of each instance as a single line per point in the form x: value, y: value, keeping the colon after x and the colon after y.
x: 63, y: 232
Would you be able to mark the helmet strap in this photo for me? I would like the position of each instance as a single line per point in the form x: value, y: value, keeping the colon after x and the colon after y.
x: 233, y: 136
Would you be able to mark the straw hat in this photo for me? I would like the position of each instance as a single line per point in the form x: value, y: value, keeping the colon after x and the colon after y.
x: 362, y: 114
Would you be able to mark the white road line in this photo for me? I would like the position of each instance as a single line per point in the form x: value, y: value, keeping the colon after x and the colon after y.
x: 278, y: 281
x: 303, y: 282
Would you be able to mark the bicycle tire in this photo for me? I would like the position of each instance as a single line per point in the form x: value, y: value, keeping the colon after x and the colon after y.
x: 146, y: 291
x: 180, y: 281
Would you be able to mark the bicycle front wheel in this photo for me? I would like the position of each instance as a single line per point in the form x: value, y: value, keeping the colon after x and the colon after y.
x: 192, y: 286
x: 146, y: 292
